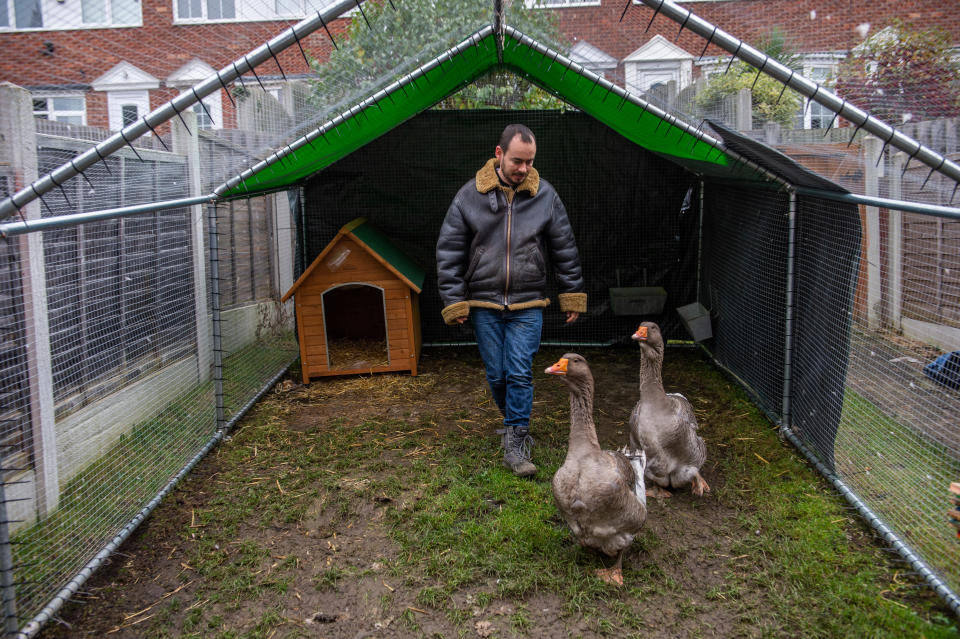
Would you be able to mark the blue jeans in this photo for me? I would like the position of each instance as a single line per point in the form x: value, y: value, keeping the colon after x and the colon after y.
x: 507, y: 342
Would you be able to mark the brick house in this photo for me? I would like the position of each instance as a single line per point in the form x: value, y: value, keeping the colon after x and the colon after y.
x: 104, y: 63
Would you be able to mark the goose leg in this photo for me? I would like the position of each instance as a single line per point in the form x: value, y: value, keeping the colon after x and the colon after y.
x: 658, y: 492
x: 613, y: 576
x: 699, y: 485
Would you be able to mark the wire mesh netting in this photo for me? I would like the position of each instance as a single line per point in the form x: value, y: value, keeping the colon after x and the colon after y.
x: 123, y: 310
x: 827, y: 310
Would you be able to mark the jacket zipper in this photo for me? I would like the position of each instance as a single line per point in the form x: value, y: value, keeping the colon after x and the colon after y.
x: 506, y: 285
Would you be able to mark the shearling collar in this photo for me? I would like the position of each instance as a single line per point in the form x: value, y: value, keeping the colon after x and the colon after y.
x: 487, y: 179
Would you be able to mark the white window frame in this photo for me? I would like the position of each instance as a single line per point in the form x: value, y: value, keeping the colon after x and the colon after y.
x: 256, y: 11
x: 691, y: 1
x: 560, y: 4
x: 116, y: 100
x: 61, y: 16
x: 214, y: 104
x: 204, y: 11
x: 830, y: 63
x: 56, y: 114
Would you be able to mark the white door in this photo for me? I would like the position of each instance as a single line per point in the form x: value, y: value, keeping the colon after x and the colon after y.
x: 126, y: 107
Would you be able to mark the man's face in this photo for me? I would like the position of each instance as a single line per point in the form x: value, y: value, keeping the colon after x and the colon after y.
x: 517, y: 160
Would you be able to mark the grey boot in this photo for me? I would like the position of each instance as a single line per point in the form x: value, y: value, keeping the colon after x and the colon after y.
x: 516, y: 451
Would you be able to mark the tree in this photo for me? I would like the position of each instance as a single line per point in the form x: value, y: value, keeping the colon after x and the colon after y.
x: 901, y: 73
x: 405, y: 33
x: 768, y: 99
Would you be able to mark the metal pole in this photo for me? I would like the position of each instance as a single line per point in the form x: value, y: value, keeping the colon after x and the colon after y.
x: 949, y: 212
x: 373, y: 100
x: 35, y: 624
x: 785, y: 418
x: 9, y: 593
x: 625, y: 95
x: 703, y: 188
x: 63, y: 221
x: 805, y: 87
x: 182, y: 102
x: 215, y: 311
x: 942, y: 589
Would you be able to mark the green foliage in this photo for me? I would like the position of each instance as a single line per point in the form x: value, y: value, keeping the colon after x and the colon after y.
x: 409, y: 33
x: 903, y: 72
x: 768, y: 99
x: 765, y: 95
x: 501, y: 90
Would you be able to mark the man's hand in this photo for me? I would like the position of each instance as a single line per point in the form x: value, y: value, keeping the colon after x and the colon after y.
x: 461, y: 320
x: 572, y: 316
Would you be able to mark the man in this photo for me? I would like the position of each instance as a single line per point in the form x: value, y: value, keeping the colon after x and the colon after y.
x: 492, y: 254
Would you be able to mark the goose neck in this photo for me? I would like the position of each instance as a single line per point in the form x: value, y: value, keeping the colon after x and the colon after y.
x: 583, y: 432
x: 651, y: 376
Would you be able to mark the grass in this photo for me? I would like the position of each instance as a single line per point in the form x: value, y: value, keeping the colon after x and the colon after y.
x: 787, y: 559
x: 790, y: 559
x: 99, y: 501
x: 903, y: 477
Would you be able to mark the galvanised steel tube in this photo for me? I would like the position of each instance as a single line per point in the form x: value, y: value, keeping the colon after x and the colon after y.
x: 788, y: 303
x: 942, y: 589
x: 341, y: 118
x: 636, y: 100
x: 7, y: 589
x: 900, y: 205
x: 170, y: 110
x: 459, y: 49
x: 62, y: 221
x: 215, y: 321
x: 68, y: 591
x: 806, y: 87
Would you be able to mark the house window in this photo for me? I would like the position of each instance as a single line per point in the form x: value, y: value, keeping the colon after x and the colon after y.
x: 221, y: 10
x: 288, y: 7
x: 189, y: 9
x: 69, y: 109
x: 819, y: 116
x: 110, y: 12
x: 554, y: 4
x: 206, y: 10
x: 72, y: 14
x: 128, y: 113
x: 210, y: 117
x: 27, y: 14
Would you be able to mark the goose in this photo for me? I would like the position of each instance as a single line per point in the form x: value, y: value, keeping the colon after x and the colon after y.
x: 600, y: 493
x: 664, y: 425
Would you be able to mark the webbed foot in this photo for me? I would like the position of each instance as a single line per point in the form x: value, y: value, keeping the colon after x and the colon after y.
x: 658, y: 492
x: 699, y: 486
x: 612, y: 576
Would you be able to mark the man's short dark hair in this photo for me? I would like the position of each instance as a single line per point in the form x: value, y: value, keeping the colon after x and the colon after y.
x: 511, y: 132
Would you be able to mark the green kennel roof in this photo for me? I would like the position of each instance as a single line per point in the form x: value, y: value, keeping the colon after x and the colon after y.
x: 383, y: 246
x: 458, y: 67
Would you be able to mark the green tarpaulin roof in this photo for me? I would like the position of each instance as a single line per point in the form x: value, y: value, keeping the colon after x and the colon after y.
x: 629, y: 116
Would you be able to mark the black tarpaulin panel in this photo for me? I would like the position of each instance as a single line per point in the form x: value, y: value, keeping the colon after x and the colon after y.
x: 625, y: 205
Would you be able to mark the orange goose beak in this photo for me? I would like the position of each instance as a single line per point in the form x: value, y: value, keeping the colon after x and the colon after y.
x: 560, y: 368
x: 641, y: 334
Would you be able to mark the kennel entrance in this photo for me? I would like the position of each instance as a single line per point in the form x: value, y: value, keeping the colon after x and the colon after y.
x: 355, y: 325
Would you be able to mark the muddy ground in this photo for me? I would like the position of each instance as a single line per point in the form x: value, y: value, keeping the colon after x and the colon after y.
x: 132, y: 596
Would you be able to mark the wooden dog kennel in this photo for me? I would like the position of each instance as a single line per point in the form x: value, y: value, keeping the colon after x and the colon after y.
x: 358, y: 307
